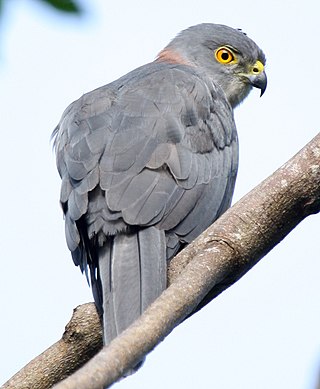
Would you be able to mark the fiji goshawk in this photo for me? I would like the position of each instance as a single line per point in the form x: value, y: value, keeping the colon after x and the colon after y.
x: 149, y: 161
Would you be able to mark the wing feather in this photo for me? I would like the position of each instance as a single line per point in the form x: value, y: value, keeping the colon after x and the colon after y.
x: 156, y: 147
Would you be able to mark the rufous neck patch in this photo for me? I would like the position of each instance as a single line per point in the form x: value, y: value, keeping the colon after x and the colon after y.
x: 171, y: 56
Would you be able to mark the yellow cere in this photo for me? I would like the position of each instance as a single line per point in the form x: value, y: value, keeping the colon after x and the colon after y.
x: 257, y: 68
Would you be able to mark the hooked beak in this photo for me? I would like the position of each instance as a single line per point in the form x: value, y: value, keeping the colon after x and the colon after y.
x: 259, y: 81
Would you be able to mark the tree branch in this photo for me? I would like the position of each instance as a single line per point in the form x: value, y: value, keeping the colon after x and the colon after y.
x: 81, y: 340
x: 209, y: 265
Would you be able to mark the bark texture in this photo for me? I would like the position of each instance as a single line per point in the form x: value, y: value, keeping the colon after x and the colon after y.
x: 210, y: 264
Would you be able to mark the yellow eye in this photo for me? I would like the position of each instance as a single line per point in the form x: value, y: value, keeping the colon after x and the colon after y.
x: 224, y: 55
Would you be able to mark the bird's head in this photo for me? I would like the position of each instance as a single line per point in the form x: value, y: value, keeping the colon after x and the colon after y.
x: 226, y: 55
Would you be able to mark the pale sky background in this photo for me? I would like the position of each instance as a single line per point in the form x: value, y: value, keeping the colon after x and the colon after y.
x: 263, y: 332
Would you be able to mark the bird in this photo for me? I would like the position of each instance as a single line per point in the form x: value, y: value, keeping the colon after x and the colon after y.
x: 149, y: 161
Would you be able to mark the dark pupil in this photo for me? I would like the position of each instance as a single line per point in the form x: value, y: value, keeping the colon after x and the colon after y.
x: 225, y: 56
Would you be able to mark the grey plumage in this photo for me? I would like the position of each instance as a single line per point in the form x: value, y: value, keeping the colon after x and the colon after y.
x: 149, y: 161
x: 127, y: 298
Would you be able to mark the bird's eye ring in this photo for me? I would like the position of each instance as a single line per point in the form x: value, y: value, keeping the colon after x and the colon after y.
x: 224, y: 55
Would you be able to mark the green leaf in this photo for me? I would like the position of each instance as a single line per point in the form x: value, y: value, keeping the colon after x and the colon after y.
x: 63, y: 5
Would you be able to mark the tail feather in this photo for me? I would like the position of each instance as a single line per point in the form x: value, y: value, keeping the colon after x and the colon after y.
x: 153, y: 266
x: 132, y: 269
x: 105, y: 262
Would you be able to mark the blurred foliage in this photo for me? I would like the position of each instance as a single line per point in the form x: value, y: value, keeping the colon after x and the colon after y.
x: 65, y: 6
x: 70, y: 6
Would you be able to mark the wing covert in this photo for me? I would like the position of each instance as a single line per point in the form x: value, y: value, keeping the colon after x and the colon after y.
x: 161, y: 149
